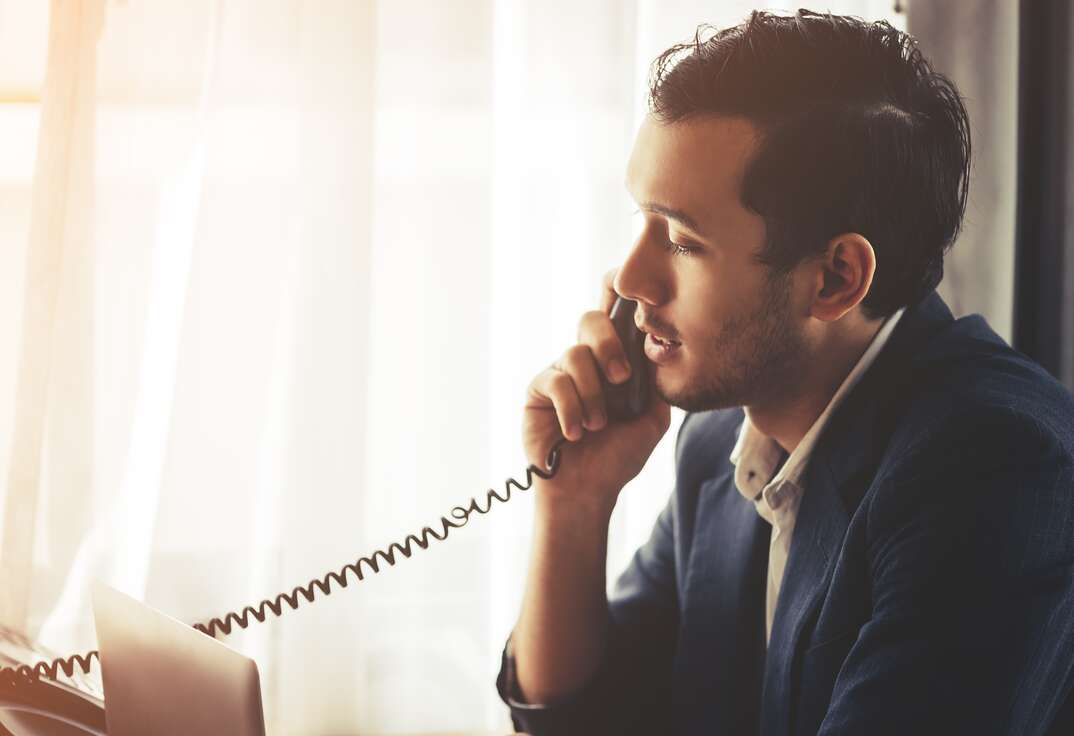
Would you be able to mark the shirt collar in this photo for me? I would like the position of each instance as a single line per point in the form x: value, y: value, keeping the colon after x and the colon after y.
x: 756, y: 455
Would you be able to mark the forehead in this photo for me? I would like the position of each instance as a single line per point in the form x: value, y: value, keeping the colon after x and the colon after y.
x: 695, y: 164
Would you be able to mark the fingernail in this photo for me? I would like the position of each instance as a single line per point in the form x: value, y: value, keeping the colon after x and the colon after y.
x: 596, y: 420
x: 573, y: 432
x: 618, y: 370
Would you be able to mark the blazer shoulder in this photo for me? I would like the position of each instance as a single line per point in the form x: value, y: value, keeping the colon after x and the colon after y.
x: 974, y: 388
x: 985, y: 442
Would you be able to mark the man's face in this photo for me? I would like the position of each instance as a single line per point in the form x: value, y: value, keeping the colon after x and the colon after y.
x: 737, y: 339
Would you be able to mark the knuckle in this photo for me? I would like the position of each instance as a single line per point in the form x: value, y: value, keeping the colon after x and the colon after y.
x: 610, y: 347
x: 559, y: 382
x: 589, y: 322
x: 576, y: 356
x: 610, y: 351
x: 585, y: 370
x: 590, y: 395
x: 594, y: 403
x: 598, y: 331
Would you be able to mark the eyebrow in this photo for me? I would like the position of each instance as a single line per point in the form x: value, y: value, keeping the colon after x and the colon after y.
x: 669, y: 212
x: 673, y: 214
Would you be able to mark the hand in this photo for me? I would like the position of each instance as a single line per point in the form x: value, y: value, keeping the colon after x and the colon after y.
x: 567, y: 400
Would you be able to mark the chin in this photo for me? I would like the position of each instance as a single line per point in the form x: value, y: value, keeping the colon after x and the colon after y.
x: 691, y: 396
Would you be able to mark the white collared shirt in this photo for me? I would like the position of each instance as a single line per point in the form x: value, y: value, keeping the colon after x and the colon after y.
x: 756, y: 455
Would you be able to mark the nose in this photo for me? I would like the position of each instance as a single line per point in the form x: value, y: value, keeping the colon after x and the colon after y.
x: 643, y: 275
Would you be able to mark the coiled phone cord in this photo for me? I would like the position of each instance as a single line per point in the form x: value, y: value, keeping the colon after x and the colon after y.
x: 12, y: 676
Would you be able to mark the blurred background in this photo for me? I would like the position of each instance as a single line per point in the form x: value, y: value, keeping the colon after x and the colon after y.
x: 274, y: 276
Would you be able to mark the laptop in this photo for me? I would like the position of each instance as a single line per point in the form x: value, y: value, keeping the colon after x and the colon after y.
x: 163, y: 677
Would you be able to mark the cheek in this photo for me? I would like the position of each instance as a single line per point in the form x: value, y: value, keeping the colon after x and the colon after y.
x: 706, y: 308
x: 720, y: 288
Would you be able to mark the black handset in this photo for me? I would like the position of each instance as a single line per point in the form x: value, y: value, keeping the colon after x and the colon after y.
x: 28, y: 687
x: 628, y: 400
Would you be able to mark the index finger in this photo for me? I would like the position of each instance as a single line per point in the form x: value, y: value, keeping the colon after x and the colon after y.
x: 607, y: 292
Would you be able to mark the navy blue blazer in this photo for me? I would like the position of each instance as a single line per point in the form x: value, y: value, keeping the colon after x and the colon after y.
x: 930, y: 582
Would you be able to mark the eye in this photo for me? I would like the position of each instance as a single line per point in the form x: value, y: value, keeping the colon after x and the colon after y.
x: 679, y: 249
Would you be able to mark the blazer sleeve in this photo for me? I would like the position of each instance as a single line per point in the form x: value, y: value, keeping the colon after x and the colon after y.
x: 630, y: 692
x: 971, y: 549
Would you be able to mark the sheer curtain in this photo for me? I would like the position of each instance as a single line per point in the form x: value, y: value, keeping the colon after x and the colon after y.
x: 975, y: 43
x: 275, y: 277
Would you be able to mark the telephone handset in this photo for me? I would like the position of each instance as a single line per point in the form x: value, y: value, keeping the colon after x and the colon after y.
x: 628, y: 400
x: 32, y: 690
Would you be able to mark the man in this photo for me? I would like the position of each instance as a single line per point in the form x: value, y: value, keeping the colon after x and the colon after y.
x: 872, y: 525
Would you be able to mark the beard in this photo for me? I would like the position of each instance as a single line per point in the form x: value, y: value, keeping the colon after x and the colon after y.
x: 751, y: 359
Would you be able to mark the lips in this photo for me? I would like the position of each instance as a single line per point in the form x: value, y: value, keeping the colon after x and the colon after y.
x: 659, y: 351
x: 664, y: 342
x: 656, y: 336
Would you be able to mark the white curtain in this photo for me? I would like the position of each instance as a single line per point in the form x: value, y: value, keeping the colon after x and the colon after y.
x: 975, y: 43
x: 274, y: 277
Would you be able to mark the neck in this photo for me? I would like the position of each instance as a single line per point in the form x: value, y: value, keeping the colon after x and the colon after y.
x: 831, y: 358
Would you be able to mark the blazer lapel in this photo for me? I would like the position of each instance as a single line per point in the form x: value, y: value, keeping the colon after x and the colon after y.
x: 721, y: 645
x: 840, y: 471
x: 818, y: 534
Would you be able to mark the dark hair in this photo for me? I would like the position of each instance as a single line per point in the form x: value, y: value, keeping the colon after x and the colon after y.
x: 858, y: 134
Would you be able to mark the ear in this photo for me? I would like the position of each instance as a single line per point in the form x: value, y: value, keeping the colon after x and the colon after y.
x: 844, y: 274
